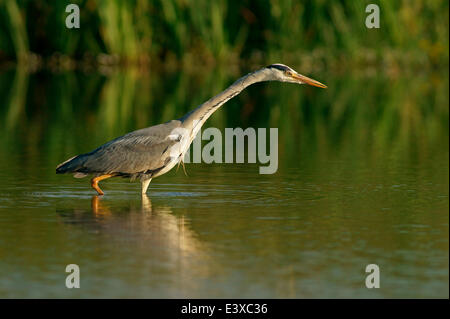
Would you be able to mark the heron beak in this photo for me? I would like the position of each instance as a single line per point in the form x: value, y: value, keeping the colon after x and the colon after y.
x: 305, y: 79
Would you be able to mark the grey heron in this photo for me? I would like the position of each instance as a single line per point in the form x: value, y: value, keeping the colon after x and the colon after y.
x: 150, y: 152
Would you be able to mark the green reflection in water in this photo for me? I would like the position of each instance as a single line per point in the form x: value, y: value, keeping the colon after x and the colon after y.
x: 363, y: 178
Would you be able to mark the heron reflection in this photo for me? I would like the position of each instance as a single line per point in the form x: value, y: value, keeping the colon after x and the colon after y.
x: 152, y: 235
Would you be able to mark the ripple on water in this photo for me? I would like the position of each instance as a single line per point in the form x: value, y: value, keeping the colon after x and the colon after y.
x: 178, y: 194
x: 117, y: 194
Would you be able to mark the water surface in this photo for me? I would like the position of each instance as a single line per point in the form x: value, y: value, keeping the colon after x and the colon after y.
x: 362, y: 179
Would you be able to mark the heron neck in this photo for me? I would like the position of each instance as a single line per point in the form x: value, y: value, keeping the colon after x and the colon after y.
x: 196, y: 118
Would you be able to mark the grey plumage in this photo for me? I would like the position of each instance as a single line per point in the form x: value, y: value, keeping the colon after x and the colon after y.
x: 139, y: 154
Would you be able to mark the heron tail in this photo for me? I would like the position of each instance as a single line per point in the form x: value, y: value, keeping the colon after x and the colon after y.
x: 72, y: 165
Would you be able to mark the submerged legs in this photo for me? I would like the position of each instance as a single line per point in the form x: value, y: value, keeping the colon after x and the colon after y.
x: 145, y: 185
x: 95, y: 180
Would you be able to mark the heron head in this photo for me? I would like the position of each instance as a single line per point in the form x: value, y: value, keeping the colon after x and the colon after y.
x: 283, y: 73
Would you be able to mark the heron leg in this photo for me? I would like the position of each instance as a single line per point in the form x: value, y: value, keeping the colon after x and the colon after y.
x: 95, y: 180
x: 145, y: 184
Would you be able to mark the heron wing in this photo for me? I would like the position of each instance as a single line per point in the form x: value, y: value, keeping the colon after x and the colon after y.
x: 142, y: 151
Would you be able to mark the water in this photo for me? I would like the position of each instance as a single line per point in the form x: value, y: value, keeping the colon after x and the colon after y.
x: 362, y: 179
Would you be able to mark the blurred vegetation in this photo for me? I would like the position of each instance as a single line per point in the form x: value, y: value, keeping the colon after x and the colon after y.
x: 194, y: 49
x: 202, y: 32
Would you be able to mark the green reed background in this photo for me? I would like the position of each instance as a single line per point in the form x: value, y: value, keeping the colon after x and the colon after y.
x: 66, y: 91
x: 207, y: 32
